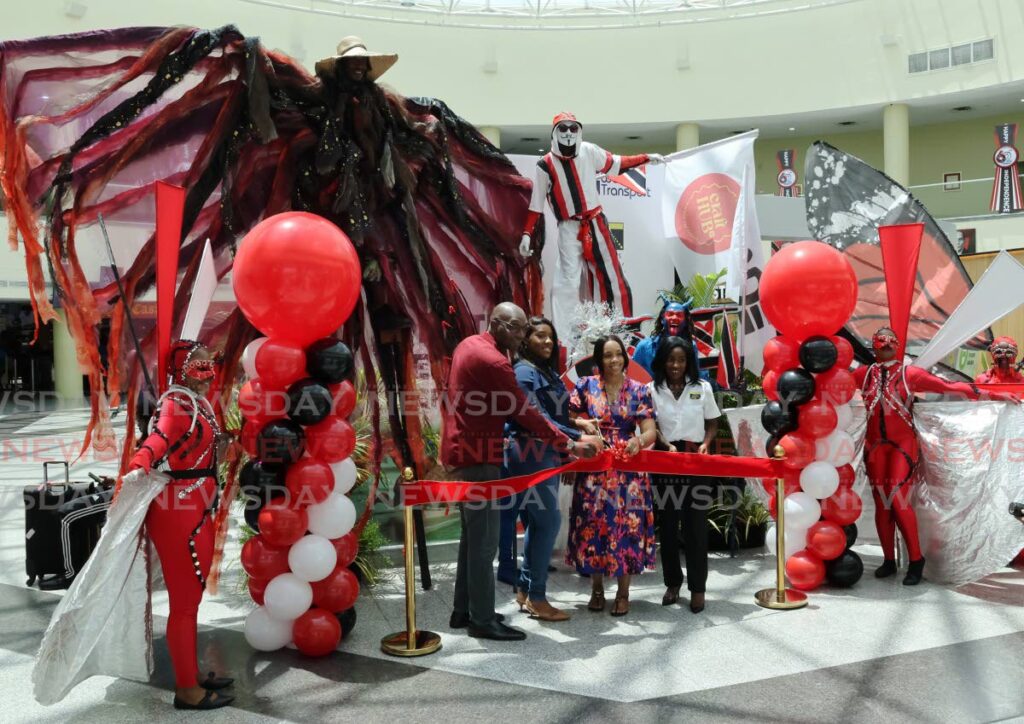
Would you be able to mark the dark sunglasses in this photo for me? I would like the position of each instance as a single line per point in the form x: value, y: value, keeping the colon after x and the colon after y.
x: 568, y: 127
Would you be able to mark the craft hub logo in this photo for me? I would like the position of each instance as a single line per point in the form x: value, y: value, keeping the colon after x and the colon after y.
x: 705, y: 213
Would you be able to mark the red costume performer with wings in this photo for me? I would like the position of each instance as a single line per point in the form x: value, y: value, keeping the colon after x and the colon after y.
x: 1003, y: 370
x: 890, y: 444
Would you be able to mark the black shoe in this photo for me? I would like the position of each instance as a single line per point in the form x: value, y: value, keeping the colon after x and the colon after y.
x: 461, y: 620
x: 496, y: 632
x: 210, y: 701
x: 887, y: 569
x: 510, y: 578
x: 215, y: 683
x: 914, y: 571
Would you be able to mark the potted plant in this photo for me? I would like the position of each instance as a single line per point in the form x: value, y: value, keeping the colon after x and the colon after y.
x: 737, y: 520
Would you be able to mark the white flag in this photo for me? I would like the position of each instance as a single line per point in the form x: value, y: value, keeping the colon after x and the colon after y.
x: 710, y: 224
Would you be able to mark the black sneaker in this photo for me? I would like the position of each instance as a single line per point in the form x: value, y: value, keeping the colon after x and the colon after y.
x: 914, y: 573
x: 888, y: 568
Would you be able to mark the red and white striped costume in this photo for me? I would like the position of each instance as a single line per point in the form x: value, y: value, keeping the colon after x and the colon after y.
x: 586, y: 252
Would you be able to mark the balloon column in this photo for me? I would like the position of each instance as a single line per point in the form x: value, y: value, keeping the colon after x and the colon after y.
x: 808, y: 291
x: 296, y: 277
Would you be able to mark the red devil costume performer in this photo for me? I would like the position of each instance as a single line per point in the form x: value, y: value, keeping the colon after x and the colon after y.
x: 891, y: 447
x: 1003, y: 371
x: 567, y: 179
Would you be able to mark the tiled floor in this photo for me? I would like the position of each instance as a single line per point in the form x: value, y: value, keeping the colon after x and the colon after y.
x: 877, y: 652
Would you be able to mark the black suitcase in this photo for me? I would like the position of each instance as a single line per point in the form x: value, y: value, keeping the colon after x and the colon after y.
x: 63, y: 522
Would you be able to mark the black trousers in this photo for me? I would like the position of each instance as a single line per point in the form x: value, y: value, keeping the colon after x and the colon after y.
x: 684, y: 501
x: 478, y: 546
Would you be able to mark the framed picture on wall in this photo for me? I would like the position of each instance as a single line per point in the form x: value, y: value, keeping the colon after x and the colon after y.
x: 966, y: 241
x: 951, y: 181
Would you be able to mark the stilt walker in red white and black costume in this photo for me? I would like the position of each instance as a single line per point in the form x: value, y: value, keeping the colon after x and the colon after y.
x: 566, y: 177
x: 891, y: 447
x: 1003, y: 371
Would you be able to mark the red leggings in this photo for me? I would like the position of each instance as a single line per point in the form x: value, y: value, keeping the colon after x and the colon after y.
x: 170, y: 522
x: 889, y: 474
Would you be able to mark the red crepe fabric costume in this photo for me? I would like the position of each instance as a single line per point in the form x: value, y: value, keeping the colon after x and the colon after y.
x: 181, y: 520
x: 1002, y: 347
x: 890, y: 444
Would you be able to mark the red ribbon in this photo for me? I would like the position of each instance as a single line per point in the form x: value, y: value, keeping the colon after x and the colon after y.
x: 422, y: 492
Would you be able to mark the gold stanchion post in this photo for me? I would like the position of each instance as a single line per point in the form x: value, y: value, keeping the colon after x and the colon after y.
x: 780, y: 597
x: 412, y: 641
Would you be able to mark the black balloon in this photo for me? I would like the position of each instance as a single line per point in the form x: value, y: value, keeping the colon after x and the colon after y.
x: 309, y: 402
x: 777, y: 419
x: 769, y: 447
x: 851, y: 534
x: 280, y: 442
x: 256, y: 476
x: 844, y: 571
x: 347, y: 619
x: 818, y: 354
x: 252, y: 513
x: 795, y: 386
x: 329, y: 360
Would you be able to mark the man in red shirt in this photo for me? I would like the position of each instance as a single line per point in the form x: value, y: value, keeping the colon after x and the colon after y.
x: 481, y: 395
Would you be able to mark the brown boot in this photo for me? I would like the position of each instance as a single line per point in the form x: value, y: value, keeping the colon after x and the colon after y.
x: 545, y: 611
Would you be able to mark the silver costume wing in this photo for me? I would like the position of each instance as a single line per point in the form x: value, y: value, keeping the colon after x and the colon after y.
x: 103, y: 625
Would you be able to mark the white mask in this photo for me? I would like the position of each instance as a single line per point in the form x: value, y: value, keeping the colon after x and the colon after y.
x: 566, y: 138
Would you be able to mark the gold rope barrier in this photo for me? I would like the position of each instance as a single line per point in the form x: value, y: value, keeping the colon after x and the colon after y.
x: 780, y: 597
x: 412, y: 641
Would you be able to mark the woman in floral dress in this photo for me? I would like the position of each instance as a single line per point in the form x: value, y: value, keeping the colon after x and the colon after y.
x: 612, y: 518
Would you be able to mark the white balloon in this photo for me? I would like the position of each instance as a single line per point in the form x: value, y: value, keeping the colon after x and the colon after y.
x: 344, y: 475
x: 287, y: 597
x: 844, y: 413
x: 249, y: 358
x: 802, y: 510
x: 836, y: 448
x: 332, y: 518
x: 265, y: 633
x: 794, y: 540
x: 819, y: 479
x: 312, y: 558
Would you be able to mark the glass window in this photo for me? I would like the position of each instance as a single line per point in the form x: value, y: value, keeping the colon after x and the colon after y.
x: 938, y: 59
x: 918, y: 62
x: 961, y: 54
x: 983, y: 50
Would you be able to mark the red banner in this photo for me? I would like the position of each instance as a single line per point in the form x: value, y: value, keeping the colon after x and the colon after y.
x: 422, y: 492
x: 170, y: 211
x: 1006, y: 194
x: 787, y: 178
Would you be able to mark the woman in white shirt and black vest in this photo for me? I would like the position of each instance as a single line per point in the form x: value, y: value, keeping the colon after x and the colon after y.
x: 687, y: 419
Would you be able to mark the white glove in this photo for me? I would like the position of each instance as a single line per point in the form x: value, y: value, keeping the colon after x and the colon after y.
x: 655, y: 158
x: 133, y: 477
x: 524, y: 247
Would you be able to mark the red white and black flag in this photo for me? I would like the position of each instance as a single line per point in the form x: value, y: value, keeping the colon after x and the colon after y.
x: 728, y: 356
x: 787, y: 178
x: 1006, y: 196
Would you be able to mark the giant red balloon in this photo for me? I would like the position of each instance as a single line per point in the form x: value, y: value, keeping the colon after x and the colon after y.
x: 843, y: 507
x: 799, y: 451
x: 344, y: 396
x: 844, y: 351
x: 338, y: 592
x: 805, y: 570
x: 808, y: 288
x: 309, y: 481
x: 826, y: 540
x: 835, y: 386
x: 330, y: 441
x: 347, y: 548
x: 279, y: 363
x: 316, y: 632
x: 781, y: 353
x: 263, y: 561
x: 816, y: 418
x: 296, y: 277
x: 281, y: 524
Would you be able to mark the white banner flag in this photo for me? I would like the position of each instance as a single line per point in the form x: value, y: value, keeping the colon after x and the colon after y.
x: 710, y: 224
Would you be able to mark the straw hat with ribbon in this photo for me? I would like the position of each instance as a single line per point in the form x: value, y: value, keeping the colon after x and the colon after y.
x: 354, y: 47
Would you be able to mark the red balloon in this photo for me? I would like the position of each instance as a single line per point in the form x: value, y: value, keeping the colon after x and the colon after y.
x: 282, y: 524
x: 826, y: 540
x: 280, y: 363
x: 844, y: 351
x: 263, y: 561
x: 805, y: 570
x: 781, y: 354
x: 260, y: 404
x: 799, y: 451
x: 843, y: 507
x: 347, y: 548
x: 316, y: 632
x: 296, y: 277
x: 344, y: 395
x: 816, y: 418
x: 338, y: 592
x: 835, y: 386
x: 768, y: 385
x: 248, y: 436
x: 791, y: 479
x: 808, y: 288
x: 309, y: 481
x: 331, y: 440
x: 788, y: 490
x: 847, y: 475
x: 257, y: 587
